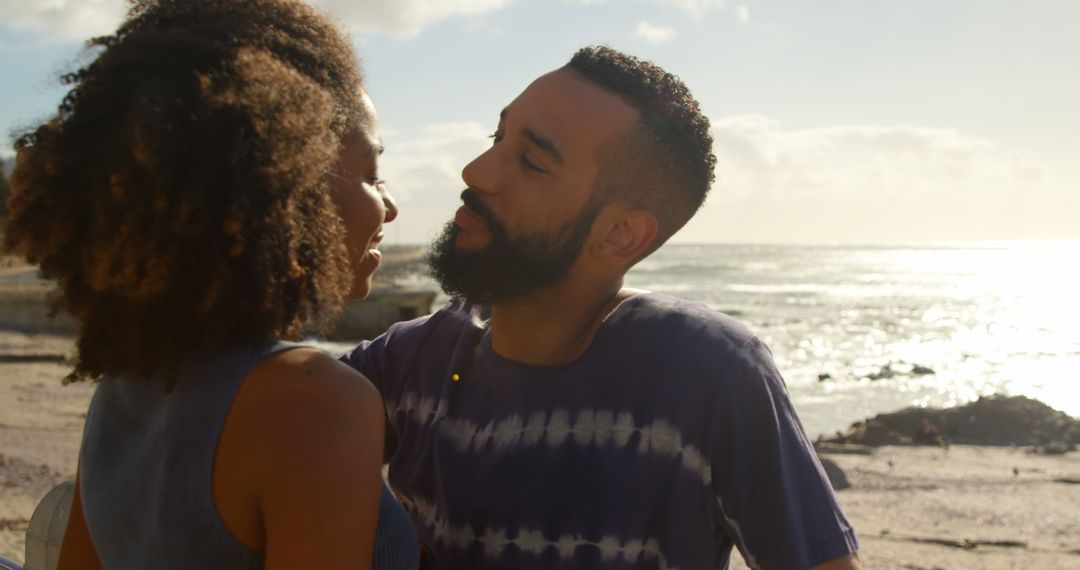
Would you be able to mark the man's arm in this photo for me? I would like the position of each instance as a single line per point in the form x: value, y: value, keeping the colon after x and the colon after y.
x: 775, y: 501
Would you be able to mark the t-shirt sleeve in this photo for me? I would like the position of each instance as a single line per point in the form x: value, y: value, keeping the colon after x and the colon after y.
x: 388, y: 359
x: 381, y: 362
x: 775, y: 501
x: 367, y: 358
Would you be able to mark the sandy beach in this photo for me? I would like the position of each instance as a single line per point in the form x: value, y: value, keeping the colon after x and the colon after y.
x: 960, y: 508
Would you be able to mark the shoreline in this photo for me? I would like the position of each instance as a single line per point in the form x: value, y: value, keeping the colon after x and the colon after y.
x: 913, y: 507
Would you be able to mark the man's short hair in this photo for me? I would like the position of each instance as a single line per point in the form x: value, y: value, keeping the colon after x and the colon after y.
x: 665, y: 163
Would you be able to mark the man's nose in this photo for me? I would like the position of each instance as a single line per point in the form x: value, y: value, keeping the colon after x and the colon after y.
x: 482, y: 173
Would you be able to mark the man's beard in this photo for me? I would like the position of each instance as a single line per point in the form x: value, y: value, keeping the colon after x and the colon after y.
x: 508, y: 268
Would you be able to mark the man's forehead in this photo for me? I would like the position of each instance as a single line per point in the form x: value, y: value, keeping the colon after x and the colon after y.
x: 571, y: 109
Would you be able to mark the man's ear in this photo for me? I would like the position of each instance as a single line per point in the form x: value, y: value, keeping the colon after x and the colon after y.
x: 625, y: 233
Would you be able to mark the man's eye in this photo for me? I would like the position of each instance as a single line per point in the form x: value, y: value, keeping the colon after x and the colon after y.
x: 496, y: 136
x: 529, y: 164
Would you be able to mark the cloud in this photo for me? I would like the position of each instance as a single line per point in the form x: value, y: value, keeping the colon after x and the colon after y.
x: 403, y: 18
x: 743, y: 13
x: 653, y: 34
x: 433, y: 157
x: 80, y: 19
x: 695, y: 8
x: 63, y: 19
x: 875, y: 183
x: 423, y: 171
x: 756, y: 155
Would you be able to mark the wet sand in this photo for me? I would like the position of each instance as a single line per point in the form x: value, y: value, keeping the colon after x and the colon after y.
x: 961, y: 508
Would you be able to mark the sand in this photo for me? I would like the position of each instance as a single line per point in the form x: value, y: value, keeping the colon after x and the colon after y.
x: 961, y: 508
x: 964, y: 508
x: 40, y: 428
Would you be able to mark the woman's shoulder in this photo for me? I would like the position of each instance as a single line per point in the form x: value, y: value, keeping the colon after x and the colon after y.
x: 300, y: 415
x: 306, y: 388
x: 302, y: 442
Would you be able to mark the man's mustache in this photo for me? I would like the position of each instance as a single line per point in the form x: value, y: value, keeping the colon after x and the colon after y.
x: 473, y: 202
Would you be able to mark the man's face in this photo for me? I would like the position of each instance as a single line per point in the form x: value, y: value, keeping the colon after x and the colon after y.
x: 529, y: 206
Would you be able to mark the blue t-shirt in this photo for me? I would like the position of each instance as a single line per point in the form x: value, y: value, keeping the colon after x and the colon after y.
x: 671, y: 440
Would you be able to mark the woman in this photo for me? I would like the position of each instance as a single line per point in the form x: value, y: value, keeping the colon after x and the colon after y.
x: 208, y: 189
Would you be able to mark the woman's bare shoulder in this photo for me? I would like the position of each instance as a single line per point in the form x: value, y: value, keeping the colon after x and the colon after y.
x: 309, y: 379
x: 304, y: 407
x: 302, y: 443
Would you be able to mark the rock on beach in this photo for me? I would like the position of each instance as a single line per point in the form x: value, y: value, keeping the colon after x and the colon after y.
x: 990, y: 420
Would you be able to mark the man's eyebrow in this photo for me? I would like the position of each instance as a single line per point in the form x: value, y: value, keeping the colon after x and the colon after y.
x: 546, y: 144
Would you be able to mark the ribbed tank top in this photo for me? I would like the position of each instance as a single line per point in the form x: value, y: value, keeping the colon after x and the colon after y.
x: 146, y: 473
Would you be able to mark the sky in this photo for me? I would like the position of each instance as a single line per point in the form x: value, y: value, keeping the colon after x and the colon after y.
x: 835, y: 121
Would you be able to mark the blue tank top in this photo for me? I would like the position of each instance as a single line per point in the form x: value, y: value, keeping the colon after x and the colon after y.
x: 146, y: 473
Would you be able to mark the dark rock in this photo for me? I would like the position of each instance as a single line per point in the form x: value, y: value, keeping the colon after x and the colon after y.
x: 836, y: 475
x: 992, y: 420
x: 885, y: 373
x: 929, y: 434
x: 874, y: 432
x: 920, y: 370
x: 824, y: 377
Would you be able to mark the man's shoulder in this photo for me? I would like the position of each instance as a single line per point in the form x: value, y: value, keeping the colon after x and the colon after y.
x: 447, y: 321
x: 429, y: 339
x: 688, y: 323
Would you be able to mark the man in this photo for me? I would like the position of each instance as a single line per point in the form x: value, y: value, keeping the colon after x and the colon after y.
x: 548, y: 417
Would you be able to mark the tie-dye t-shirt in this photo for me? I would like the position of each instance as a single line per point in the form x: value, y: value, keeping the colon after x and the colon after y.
x: 670, y: 441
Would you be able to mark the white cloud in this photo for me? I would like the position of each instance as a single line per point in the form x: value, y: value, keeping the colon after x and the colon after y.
x: 63, y: 19
x: 403, y: 18
x: 80, y: 19
x: 696, y: 8
x: 423, y: 171
x: 757, y: 155
x: 743, y: 13
x: 653, y: 34
x: 875, y: 183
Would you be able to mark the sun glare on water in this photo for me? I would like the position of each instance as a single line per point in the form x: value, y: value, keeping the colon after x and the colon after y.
x: 1023, y: 337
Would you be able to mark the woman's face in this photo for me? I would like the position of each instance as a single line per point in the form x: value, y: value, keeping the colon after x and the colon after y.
x: 362, y: 200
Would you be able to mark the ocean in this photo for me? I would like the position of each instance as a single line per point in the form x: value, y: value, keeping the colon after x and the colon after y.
x: 858, y: 331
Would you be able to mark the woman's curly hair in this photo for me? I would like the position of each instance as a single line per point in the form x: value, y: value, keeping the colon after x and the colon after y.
x: 180, y: 197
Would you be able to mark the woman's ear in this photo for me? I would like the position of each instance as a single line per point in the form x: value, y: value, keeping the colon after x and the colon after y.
x: 626, y: 233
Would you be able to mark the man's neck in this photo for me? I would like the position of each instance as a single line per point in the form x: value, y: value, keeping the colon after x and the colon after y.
x: 553, y: 326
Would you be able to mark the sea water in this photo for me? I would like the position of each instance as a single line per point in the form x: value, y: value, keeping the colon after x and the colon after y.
x: 858, y: 331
